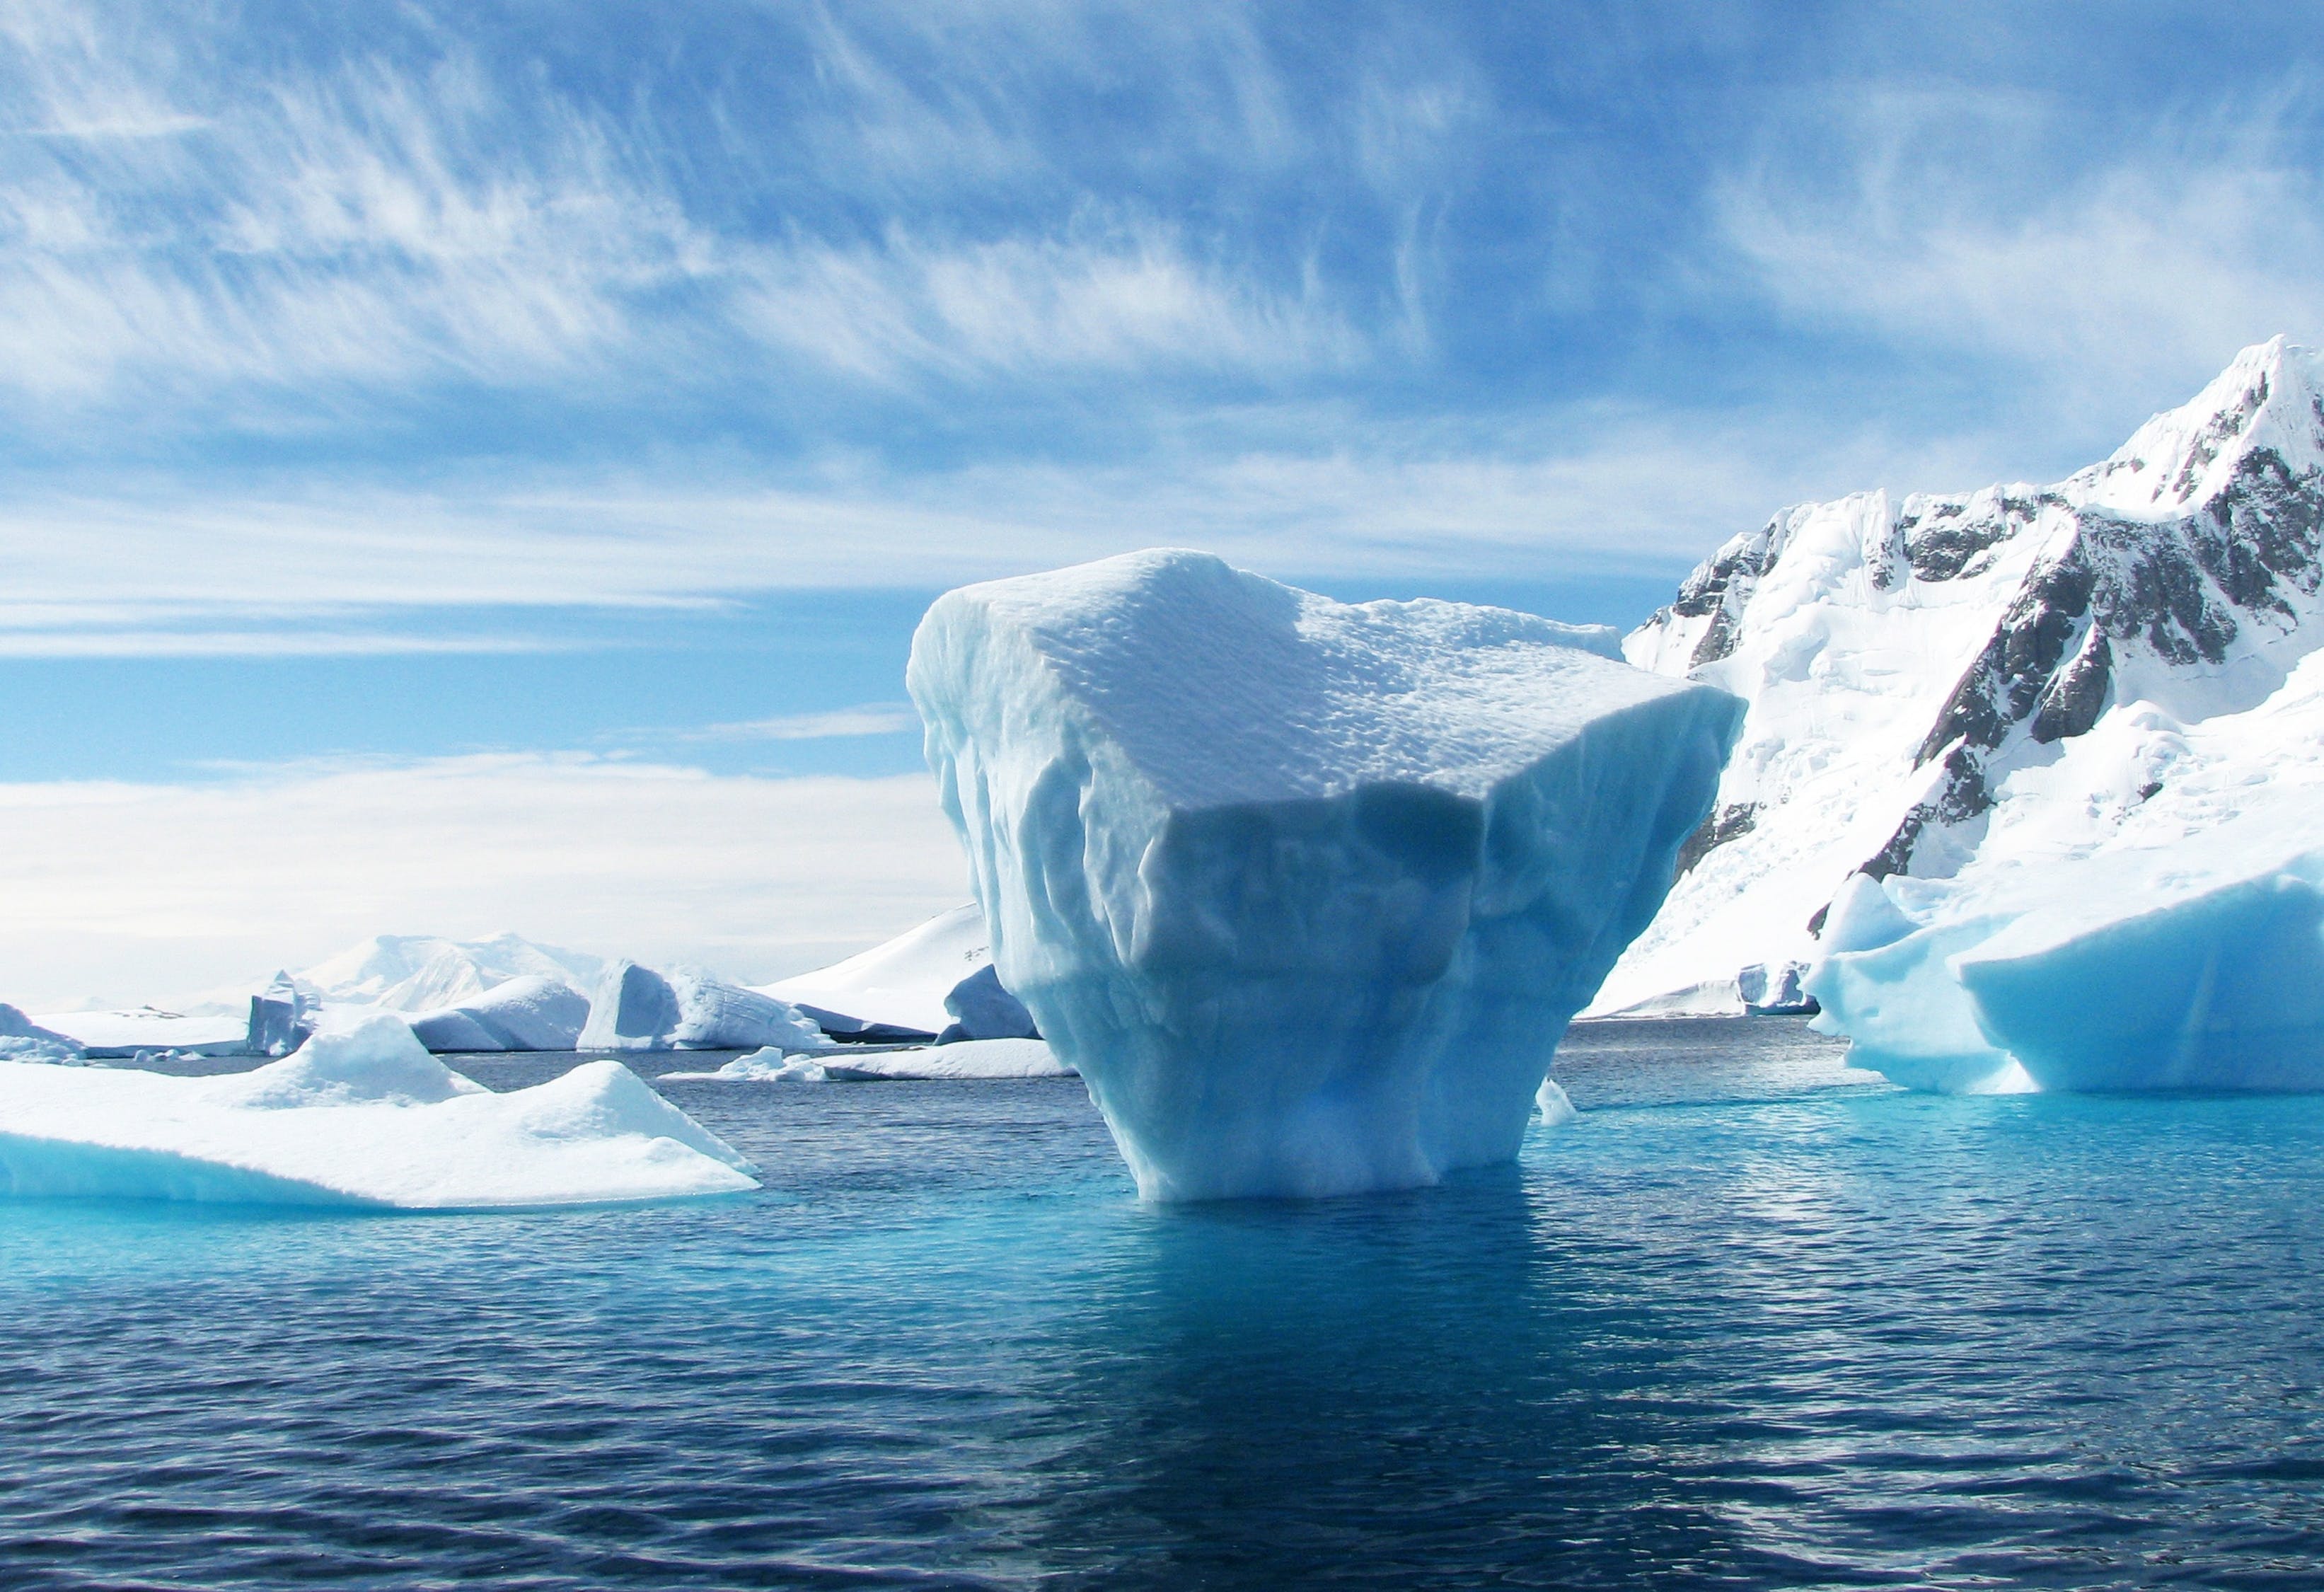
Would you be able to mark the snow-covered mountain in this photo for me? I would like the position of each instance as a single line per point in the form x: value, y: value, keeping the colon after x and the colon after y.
x: 425, y: 972
x: 1957, y: 684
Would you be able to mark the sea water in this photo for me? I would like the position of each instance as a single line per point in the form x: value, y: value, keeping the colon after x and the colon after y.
x: 1752, y: 1320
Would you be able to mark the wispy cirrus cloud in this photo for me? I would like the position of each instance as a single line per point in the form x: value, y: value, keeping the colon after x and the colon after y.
x: 870, y: 719
x: 1947, y: 223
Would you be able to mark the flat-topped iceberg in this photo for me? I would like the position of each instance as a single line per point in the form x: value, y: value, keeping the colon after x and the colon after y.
x: 359, y: 1116
x: 1305, y: 890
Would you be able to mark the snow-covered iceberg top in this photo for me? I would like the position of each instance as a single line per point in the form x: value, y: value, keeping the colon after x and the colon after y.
x: 1305, y: 890
x: 359, y: 1116
x: 638, y: 1008
x: 535, y: 1013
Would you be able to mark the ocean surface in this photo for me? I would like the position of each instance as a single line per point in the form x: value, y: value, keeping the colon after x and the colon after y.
x: 1752, y: 1321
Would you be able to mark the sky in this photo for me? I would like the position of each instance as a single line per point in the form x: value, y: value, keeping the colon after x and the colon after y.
x: 478, y: 467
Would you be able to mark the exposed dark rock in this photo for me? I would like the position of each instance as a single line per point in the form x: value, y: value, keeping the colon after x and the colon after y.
x: 1727, y: 824
x: 2074, y: 699
x: 1941, y: 543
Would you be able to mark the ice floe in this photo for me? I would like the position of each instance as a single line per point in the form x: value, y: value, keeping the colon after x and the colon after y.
x: 360, y: 1116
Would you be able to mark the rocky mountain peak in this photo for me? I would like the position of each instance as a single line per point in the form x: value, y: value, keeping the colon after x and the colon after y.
x: 1905, y: 660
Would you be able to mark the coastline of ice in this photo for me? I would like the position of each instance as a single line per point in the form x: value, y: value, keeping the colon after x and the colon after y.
x: 359, y: 1116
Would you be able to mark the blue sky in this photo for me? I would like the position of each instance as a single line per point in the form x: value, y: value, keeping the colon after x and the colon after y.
x: 576, y: 385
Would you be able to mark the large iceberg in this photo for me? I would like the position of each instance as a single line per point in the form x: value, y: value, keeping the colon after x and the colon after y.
x: 1305, y: 890
x: 359, y: 1116
x: 638, y: 1008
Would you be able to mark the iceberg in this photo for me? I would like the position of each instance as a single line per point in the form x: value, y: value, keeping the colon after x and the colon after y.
x: 530, y: 1013
x: 982, y: 1010
x: 24, y: 1040
x: 2136, y: 978
x: 899, y: 990
x: 1307, y: 892
x: 360, y: 1116
x: 2139, y: 917
x: 429, y: 973
x: 124, y: 1033
x: 962, y: 1061
x: 637, y: 1008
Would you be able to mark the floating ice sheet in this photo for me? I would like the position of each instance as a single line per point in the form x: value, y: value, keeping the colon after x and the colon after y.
x: 362, y: 1116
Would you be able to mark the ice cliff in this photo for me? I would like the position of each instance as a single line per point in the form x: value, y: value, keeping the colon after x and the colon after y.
x: 1305, y: 890
x: 1961, y: 695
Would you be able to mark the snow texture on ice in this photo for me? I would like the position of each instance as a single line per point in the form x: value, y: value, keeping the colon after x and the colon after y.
x: 1305, y: 890
x: 900, y: 986
x: 361, y: 1116
x: 965, y: 1059
x: 638, y: 1008
x: 530, y: 1013
x: 24, y: 1040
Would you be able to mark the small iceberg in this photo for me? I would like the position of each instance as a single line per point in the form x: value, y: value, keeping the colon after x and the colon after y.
x: 2186, y: 968
x: 961, y: 1059
x: 363, y: 1117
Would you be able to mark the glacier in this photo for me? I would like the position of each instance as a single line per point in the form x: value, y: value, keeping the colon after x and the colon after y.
x: 1307, y: 892
x: 362, y: 1116
x: 638, y: 1008
x: 1966, y: 703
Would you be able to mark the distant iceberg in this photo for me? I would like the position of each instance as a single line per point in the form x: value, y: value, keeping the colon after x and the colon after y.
x: 965, y: 1059
x: 24, y: 1040
x: 530, y: 1013
x: 1305, y: 890
x: 899, y: 988
x: 638, y: 1008
x: 360, y: 1116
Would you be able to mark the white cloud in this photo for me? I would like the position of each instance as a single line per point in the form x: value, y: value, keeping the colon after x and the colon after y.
x: 872, y: 718
x: 1949, y: 227
x: 350, y: 569
x: 136, y: 892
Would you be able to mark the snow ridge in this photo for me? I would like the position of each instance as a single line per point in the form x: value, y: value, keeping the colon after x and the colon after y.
x: 1905, y: 663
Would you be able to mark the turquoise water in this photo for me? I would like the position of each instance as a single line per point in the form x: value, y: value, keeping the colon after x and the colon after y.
x: 1752, y: 1321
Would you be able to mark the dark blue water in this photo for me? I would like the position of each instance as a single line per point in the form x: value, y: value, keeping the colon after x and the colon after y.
x: 1752, y: 1322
